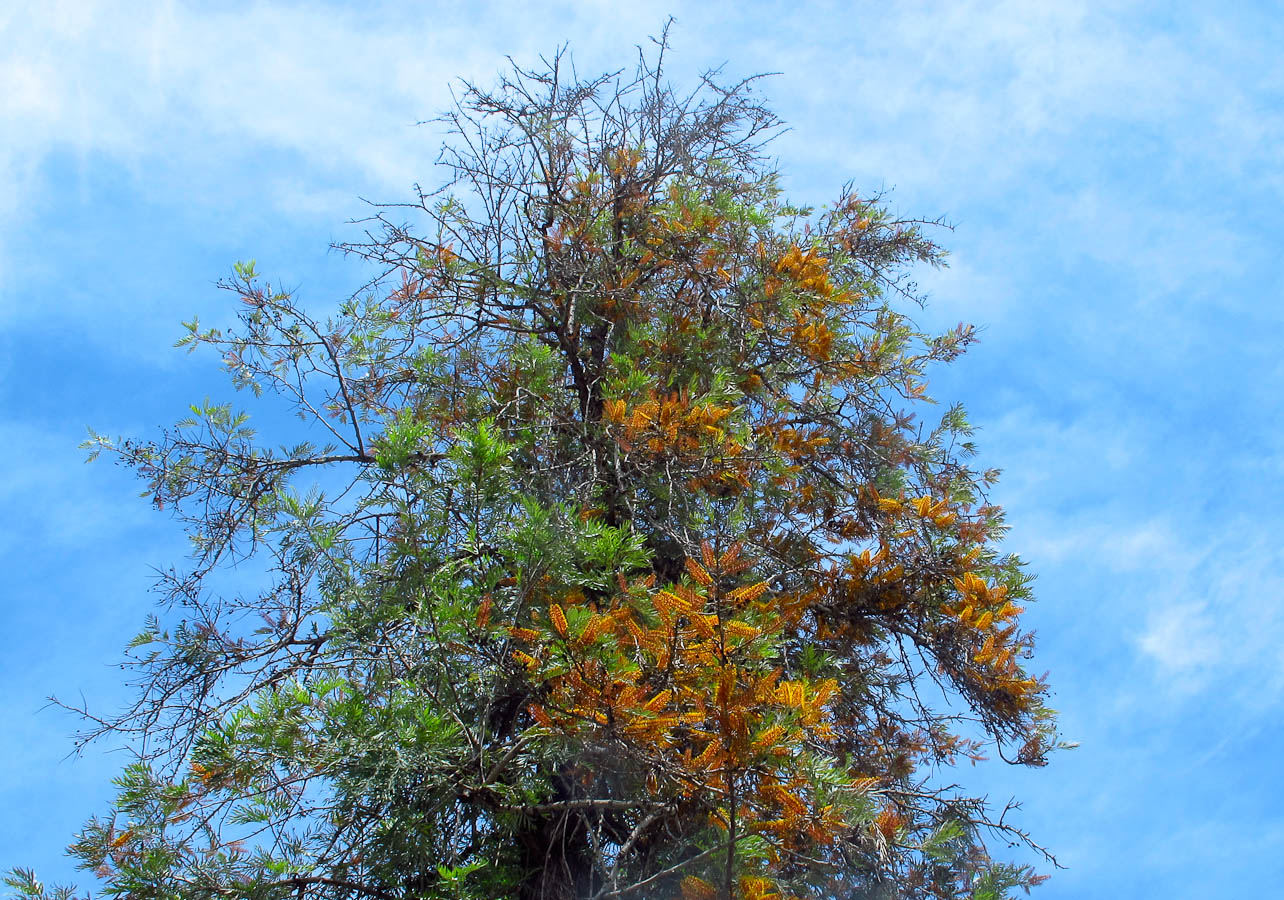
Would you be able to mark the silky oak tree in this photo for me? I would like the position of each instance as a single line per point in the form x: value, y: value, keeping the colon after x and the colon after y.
x: 630, y: 565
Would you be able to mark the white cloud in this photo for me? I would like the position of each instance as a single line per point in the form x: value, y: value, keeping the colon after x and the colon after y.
x: 1156, y: 550
x: 1183, y: 636
x: 140, y: 83
x: 341, y: 86
x: 50, y: 500
x: 283, y: 110
x: 1221, y: 618
x: 1203, y: 611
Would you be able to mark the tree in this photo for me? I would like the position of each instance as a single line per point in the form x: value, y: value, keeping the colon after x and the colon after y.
x: 626, y: 568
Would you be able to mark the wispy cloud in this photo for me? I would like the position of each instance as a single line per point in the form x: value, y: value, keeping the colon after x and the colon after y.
x: 1217, y: 619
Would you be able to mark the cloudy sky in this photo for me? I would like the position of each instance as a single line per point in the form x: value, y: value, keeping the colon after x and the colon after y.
x: 1114, y: 175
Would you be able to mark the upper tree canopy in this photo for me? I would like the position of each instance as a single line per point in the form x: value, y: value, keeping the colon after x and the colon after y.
x: 640, y: 569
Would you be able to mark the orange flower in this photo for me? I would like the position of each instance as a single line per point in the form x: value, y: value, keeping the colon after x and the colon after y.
x: 558, y: 619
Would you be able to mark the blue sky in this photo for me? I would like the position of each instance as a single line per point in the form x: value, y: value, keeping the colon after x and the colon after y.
x: 1114, y: 174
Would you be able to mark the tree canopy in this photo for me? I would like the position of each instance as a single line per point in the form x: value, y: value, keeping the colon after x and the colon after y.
x: 624, y: 558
